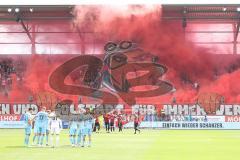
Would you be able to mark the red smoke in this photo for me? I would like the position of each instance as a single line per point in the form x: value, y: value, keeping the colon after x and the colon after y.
x: 166, y: 40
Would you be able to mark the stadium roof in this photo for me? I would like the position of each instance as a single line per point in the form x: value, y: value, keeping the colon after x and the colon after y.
x: 22, y: 23
x: 221, y: 12
x: 53, y: 12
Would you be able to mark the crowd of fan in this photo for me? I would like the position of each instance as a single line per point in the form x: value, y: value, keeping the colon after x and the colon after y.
x: 7, y: 69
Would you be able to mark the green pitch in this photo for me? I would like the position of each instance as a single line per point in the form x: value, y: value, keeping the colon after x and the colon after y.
x: 149, y: 145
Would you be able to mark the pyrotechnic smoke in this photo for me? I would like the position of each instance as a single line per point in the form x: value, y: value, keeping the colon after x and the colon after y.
x: 187, y: 63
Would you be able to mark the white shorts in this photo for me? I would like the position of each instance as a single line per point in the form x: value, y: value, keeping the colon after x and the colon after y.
x: 55, y: 130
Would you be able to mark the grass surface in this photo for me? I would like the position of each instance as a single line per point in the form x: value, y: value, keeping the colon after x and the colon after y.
x: 149, y: 145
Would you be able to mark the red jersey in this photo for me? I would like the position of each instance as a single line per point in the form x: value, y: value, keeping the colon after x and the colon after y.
x: 97, y: 120
x: 119, y: 118
x: 136, y: 120
x: 106, y: 118
x: 112, y: 118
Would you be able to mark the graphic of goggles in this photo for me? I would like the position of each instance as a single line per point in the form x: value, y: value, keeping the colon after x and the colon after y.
x: 124, y: 45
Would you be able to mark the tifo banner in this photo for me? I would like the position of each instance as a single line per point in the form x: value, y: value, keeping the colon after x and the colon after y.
x: 200, y: 109
x: 231, y: 110
x: 166, y: 116
x: 130, y: 76
x: 17, y: 109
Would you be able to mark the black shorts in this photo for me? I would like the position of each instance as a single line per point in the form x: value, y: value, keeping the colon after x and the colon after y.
x: 119, y: 124
x: 111, y: 124
x: 97, y: 124
x: 135, y: 125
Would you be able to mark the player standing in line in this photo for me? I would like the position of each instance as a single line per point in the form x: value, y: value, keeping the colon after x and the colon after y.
x: 35, y: 132
x: 48, y: 127
x: 120, y: 124
x: 106, y: 122
x: 55, y: 128
x: 80, y: 126
x: 112, y: 120
x: 41, y: 120
x: 88, y: 126
x: 81, y: 131
x: 136, y: 124
x: 97, y: 125
x: 73, y: 127
x: 28, y: 126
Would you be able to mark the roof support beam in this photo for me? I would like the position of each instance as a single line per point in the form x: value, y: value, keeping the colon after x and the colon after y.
x: 33, y: 49
x: 234, y: 26
x: 26, y: 29
x: 237, y: 30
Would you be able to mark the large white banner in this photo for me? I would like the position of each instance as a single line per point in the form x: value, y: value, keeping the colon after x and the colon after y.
x: 188, y: 125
